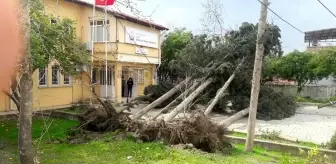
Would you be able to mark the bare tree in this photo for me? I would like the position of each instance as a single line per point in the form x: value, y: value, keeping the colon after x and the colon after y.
x: 212, y: 19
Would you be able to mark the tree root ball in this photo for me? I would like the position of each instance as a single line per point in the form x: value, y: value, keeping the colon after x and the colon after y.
x: 197, y: 130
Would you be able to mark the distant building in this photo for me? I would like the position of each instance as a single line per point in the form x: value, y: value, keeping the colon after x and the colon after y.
x: 318, y: 40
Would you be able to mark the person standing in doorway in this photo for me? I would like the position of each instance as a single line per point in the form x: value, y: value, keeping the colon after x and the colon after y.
x: 129, y: 87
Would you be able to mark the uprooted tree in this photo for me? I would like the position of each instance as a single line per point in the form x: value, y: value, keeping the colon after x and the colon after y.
x: 211, y: 70
x: 229, y: 82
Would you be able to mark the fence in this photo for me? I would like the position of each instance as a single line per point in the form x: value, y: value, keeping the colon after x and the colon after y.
x: 315, y: 92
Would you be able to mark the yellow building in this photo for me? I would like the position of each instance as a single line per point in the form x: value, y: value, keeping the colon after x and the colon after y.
x: 130, y: 45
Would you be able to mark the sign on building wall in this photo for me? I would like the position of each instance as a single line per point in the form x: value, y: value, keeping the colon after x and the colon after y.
x: 142, y: 38
x: 141, y: 50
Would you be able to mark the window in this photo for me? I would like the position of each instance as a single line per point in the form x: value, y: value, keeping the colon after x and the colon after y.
x: 101, y: 31
x: 42, y: 77
x: 103, y: 76
x: 94, y: 75
x: 140, y: 78
x: 55, y: 75
x: 66, y: 80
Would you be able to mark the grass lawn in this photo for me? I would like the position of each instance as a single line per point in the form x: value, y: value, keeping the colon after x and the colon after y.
x: 311, y: 100
x: 115, y: 151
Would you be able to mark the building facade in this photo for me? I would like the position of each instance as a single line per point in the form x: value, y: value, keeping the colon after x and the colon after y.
x: 123, y: 47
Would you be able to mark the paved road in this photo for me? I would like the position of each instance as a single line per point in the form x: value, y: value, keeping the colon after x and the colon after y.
x: 308, y: 124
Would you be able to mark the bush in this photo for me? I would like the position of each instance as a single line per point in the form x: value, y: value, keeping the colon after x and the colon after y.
x: 270, y: 135
x: 332, y: 142
x: 315, y: 157
x: 273, y: 105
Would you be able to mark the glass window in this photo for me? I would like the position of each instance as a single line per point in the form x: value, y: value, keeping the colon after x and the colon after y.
x: 55, y: 75
x: 101, y: 31
x: 42, y: 77
x: 67, y: 80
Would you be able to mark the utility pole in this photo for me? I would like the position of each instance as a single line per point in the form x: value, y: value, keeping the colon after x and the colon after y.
x: 256, y: 77
x: 26, y: 151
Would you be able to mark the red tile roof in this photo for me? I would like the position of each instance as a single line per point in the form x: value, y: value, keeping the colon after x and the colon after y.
x: 123, y: 16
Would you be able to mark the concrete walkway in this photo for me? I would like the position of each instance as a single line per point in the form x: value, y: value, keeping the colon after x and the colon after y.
x: 308, y: 124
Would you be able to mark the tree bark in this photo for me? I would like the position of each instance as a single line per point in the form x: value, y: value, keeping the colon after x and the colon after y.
x: 161, y: 99
x: 222, y: 90
x: 188, y: 100
x: 256, y: 78
x: 227, y: 122
x: 26, y: 151
x: 177, y: 100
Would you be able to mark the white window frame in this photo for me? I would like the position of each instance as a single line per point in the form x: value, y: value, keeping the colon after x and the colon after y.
x: 70, y: 80
x: 105, y: 27
x: 102, y: 76
x: 52, y: 75
x: 141, y: 76
x: 45, y: 76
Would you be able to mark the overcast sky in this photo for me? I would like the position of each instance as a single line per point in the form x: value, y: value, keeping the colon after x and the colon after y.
x: 306, y: 15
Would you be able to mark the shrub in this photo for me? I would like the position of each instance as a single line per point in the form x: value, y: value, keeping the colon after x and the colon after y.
x: 270, y: 135
x: 273, y: 105
x: 315, y: 157
x: 332, y: 142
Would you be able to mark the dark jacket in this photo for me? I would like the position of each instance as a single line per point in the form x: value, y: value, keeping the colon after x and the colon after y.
x: 129, y: 83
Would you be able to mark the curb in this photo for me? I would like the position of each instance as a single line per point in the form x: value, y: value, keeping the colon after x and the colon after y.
x: 282, y: 147
x: 308, y: 104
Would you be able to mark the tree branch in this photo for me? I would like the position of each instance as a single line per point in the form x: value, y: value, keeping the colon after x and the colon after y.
x: 12, y: 97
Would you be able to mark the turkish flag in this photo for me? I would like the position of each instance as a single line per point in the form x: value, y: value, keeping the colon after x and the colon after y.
x: 104, y: 2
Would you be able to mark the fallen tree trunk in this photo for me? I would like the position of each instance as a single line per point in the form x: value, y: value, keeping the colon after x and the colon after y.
x: 227, y: 122
x: 177, y: 100
x: 188, y: 100
x: 222, y: 90
x: 161, y: 99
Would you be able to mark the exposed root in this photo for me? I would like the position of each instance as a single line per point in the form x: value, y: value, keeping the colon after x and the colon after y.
x: 198, y: 130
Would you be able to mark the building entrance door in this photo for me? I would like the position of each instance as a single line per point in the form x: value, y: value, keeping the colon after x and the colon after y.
x: 128, y: 72
x: 107, y: 84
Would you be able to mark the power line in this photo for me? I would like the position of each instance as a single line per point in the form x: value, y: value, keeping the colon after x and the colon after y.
x: 281, y: 17
x: 327, y: 8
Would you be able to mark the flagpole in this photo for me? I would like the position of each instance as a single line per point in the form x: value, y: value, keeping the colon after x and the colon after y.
x: 106, y: 50
x: 92, y: 41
